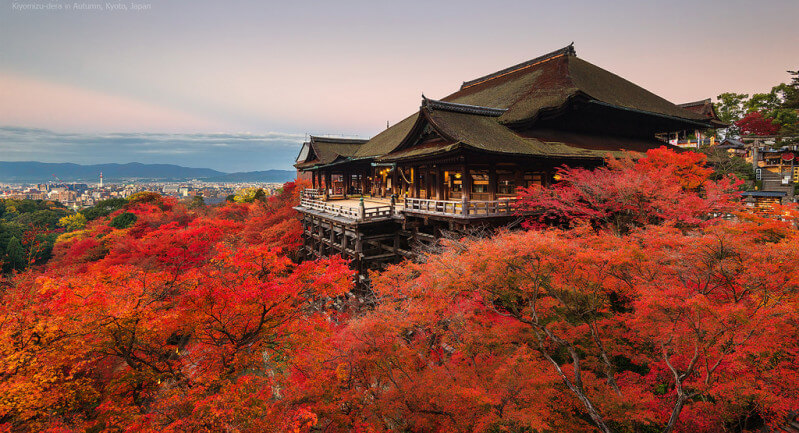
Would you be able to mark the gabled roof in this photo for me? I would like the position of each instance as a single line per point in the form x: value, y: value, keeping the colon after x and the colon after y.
x: 459, y: 126
x: 326, y: 150
x: 481, y: 111
x: 731, y: 143
x: 387, y: 140
x: 549, y: 82
x: 706, y: 109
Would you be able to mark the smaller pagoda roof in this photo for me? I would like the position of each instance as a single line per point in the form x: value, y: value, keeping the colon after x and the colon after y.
x: 705, y: 108
x: 320, y: 150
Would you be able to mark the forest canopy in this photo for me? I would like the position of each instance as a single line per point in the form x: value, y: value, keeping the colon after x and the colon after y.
x: 638, y: 297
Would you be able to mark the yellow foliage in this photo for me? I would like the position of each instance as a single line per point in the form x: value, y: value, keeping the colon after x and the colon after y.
x: 73, y: 222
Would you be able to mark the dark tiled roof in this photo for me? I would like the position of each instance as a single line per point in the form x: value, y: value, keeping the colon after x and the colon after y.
x: 706, y: 109
x: 569, y: 50
x: 326, y: 150
x: 432, y: 104
x: 764, y: 193
x: 550, y: 81
x: 389, y: 139
x: 459, y: 130
x: 478, y: 114
x: 731, y: 143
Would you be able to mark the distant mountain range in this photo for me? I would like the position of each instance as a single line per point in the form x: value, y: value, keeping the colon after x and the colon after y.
x: 29, y: 171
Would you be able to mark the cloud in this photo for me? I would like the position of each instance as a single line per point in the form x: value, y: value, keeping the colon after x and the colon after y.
x: 229, y: 152
x: 28, y: 101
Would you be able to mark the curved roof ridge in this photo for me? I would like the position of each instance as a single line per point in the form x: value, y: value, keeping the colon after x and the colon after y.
x: 343, y: 140
x: 694, y: 103
x: 568, y: 50
x: 433, y: 104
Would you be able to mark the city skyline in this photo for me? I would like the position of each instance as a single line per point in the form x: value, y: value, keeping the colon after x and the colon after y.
x: 172, y: 81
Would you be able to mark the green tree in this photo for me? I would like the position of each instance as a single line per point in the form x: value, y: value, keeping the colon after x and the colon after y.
x: 15, y: 255
x: 103, y: 208
x: 792, y: 96
x: 723, y: 164
x: 123, y: 220
x: 196, y: 202
x: 730, y: 109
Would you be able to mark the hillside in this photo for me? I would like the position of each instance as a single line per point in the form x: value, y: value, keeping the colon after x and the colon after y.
x: 31, y: 171
x: 277, y: 176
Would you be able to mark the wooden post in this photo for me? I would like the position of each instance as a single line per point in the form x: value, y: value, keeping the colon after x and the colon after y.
x: 395, y: 190
x: 415, y: 179
x: 362, y: 209
x: 492, y: 182
x: 518, y: 175
x: 328, y: 184
x: 467, y: 181
x: 439, y: 183
x: 464, y: 205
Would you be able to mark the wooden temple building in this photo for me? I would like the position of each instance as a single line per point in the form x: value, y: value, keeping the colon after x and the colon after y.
x: 458, y: 161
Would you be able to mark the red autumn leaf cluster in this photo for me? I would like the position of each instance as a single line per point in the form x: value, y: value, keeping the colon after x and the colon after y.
x: 641, y: 297
x: 755, y: 123
x: 662, y: 187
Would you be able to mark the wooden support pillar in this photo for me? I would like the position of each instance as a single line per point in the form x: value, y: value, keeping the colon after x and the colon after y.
x: 374, y: 182
x: 347, y: 182
x: 492, y: 182
x: 467, y: 181
x: 328, y: 184
x: 518, y: 174
x: 415, y: 180
x: 364, y: 184
x: 395, y: 190
x: 439, y: 183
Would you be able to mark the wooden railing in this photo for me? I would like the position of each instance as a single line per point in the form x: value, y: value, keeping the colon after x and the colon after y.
x: 463, y: 208
x: 311, y: 193
x: 359, y: 213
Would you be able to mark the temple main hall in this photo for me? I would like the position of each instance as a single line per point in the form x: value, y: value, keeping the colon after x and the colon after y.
x: 457, y: 162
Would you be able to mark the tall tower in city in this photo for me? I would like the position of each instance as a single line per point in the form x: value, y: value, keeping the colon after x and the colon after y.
x: 101, y: 179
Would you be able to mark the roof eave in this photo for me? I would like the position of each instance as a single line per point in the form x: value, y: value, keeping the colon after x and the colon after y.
x: 650, y: 113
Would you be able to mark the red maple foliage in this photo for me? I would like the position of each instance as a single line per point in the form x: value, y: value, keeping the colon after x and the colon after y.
x: 755, y: 123
x: 574, y: 331
x: 663, y: 186
x: 641, y: 309
x: 189, y: 319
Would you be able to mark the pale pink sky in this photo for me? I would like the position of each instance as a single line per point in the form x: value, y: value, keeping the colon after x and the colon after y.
x: 346, y: 67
